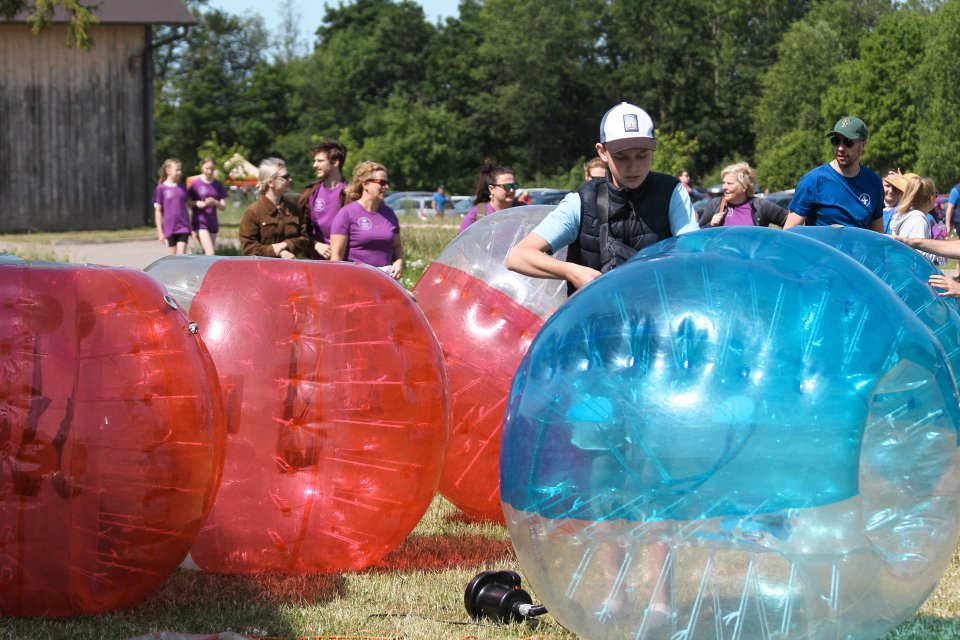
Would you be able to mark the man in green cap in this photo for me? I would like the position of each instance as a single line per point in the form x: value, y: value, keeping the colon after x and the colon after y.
x: 842, y: 191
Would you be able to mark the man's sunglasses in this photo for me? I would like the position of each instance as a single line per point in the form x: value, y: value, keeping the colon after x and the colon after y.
x: 837, y: 140
x: 509, y: 186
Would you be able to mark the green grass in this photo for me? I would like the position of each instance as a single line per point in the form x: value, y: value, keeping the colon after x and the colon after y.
x: 415, y: 593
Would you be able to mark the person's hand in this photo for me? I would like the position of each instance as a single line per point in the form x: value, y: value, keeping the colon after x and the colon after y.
x: 209, y: 202
x: 286, y: 255
x: 278, y: 247
x: 396, y: 269
x: 161, y: 237
x: 717, y: 219
x: 581, y: 276
x: 910, y: 242
x: 322, y: 249
x: 951, y: 288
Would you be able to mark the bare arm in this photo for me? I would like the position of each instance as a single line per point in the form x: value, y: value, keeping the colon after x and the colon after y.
x: 945, y: 248
x: 877, y: 225
x: 338, y: 246
x: 396, y: 269
x: 948, y: 214
x: 793, y: 220
x: 529, y: 257
x: 158, y: 219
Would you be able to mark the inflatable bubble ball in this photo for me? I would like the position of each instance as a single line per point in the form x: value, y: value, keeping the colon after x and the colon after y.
x: 337, y: 411
x: 485, y: 318
x: 740, y: 433
x: 903, y: 270
x: 112, y: 437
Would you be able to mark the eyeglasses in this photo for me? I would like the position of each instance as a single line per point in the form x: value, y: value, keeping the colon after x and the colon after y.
x: 509, y: 186
x: 383, y: 183
x: 847, y: 142
x: 285, y: 176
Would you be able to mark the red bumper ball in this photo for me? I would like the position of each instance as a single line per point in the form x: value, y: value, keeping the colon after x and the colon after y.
x: 112, y: 436
x: 336, y: 400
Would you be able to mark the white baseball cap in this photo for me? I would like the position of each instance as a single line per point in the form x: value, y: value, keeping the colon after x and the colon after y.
x: 627, y: 126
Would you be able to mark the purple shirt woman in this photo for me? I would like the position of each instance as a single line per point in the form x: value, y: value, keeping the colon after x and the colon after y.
x: 496, y: 189
x: 367, y: 230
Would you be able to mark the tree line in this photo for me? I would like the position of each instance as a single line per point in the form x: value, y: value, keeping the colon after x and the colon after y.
x: 526, y: 82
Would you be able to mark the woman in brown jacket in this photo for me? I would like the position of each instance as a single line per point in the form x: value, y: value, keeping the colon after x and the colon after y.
x: 274, y: 226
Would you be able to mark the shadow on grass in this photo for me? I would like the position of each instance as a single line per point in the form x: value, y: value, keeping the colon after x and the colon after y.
x: 439, y: 553
x: 197, y: 602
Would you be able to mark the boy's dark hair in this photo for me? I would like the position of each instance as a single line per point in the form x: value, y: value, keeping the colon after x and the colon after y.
x: 335, y: 151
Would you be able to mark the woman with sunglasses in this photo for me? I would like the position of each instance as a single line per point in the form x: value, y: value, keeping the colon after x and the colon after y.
x: 274, y: 226
x: 496, y: 190
x: 366, y: 230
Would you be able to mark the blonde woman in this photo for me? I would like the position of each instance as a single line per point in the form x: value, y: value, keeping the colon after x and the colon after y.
x: 737, y: 206
x: 910, y: 217
x: 366, y: 230
x: 274, y: 226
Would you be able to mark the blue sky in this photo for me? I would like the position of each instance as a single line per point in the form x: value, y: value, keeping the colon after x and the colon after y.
x: 311, y: 11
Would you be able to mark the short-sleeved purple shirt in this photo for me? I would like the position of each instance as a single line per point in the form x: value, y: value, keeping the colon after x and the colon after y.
x: 369, y: 234
x: 206, y: 217
x: 173, y: 201
x: 324, y: 206
x: 739, y: 215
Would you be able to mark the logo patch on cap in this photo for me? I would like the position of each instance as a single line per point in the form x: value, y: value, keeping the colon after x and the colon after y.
x: 630, y: 123
x: 845, y: 122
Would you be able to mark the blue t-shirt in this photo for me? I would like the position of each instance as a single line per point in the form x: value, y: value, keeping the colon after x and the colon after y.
x: 561, y: 227
x: 830, y: 198
x: 954, y: 200
x: 441, y: 200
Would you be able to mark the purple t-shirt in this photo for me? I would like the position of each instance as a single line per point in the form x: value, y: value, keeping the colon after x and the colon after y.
x: 738, y: 215
x: 206, y: 217
x: 173, y: 201
x: 369, y: 234
x: 472, y: 215
x: 324, y: 205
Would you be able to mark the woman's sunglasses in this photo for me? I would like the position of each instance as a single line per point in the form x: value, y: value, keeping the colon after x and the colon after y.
x: 509, y: 186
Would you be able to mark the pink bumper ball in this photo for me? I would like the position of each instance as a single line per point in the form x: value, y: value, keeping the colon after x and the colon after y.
x: 111, y: 437
x: 337, y: 411
x: 485, y: 318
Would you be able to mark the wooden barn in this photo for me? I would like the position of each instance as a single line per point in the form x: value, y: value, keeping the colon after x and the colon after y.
x: 76, y: 127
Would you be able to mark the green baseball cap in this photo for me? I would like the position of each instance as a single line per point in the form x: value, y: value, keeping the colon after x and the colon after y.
x: 850, y: 127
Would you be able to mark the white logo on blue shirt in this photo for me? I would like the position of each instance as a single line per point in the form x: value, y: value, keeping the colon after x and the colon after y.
x: 865, y: 199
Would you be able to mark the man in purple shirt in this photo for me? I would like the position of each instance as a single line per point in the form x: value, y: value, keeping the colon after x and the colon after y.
x: 321, y: 200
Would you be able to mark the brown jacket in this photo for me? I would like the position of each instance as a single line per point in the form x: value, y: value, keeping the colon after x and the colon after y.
x: 265, y: 223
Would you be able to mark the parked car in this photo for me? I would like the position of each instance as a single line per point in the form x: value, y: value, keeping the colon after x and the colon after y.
x: 781, y: 198
x: 546, y: 196
x: 461, y: 206
x: 396, y: 195
x: 418, y: 205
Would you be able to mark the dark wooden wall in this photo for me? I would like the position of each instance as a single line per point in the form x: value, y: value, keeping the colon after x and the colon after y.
x: 74, y: 130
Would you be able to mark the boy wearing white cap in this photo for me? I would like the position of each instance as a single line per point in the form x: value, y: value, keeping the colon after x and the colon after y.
x: 608, y: 220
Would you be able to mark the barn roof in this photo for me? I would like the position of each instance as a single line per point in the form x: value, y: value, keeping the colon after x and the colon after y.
x: 128, y: 12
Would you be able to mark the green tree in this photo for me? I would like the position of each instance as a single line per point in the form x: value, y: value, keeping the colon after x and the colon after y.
x: 367, y: 51
x: 789, y: 118
x: 40, y: 15
x: 415, y: 142
x: 200, y: 93
x: 938, y: 132
x: 696, y: 66
x: 881, y: 88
